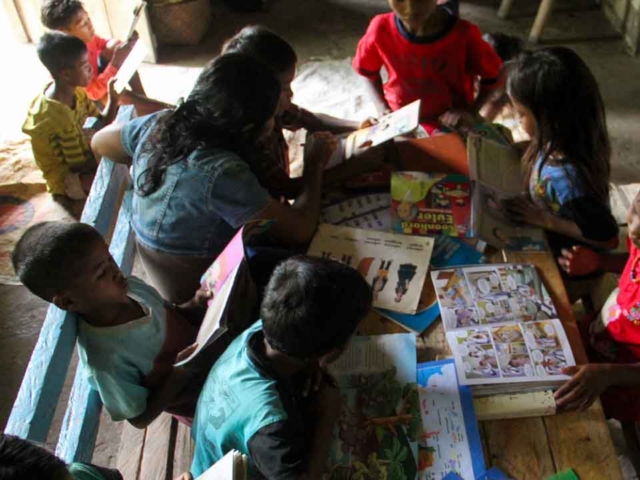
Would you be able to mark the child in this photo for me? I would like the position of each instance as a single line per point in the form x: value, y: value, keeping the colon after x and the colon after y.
x: 263, y: 44
x: 56, y: 117
x: 23, y: 460
x: 566, y: 164
x: 105, y: 56
x: 251, y: 400
x: 428, y: 54
x: 128, y: 337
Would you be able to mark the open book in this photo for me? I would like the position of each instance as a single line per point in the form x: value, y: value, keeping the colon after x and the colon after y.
x: 394, y: 265
x: 380, y: 420
x: 495, y: 171
x: 502, y: 328
x: 233, y: 466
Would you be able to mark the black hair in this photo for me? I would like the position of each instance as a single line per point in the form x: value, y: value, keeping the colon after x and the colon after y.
x: 58, y: 14
x: 263, y: 44
x: 23, y: 460
x: 50, y: 255
x: 232, y: 100
x: 58, y: 51
x: 562, y: 94
x: 313, y: 305
x: 506, y: 46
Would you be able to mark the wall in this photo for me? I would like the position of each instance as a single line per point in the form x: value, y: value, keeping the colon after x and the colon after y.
x: 625, y: 16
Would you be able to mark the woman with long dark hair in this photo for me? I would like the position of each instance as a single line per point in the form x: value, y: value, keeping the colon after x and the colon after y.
x: 194, y: 182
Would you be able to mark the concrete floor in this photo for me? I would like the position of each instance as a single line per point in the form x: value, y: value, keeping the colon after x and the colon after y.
x: 318, y: 29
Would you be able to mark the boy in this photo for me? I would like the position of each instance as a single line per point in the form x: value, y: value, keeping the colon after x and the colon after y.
x: 251, y: 400
x: 128, y: 337
x: 56, y: 117
x: 431, y: 55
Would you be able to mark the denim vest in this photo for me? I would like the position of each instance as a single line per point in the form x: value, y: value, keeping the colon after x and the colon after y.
x: 202, y: 200
x: 235, y: 403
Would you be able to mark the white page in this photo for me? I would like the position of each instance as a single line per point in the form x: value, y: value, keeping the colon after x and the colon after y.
x: 130, y: 65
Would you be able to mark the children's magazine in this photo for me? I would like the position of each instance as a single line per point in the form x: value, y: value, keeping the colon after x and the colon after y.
x: 394, y: 265
x: 495, y: 171
x: 370, y: 212
x: 450, y: 441
x: 377, y: 432
x: 502, y: 328
x: 430, y: 204
x: 233, y: 466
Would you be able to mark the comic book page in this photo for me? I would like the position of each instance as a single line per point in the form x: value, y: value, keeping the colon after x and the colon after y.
x: 430, y: 204
x: 496, y: 173
x: 370, y: 212
x: 380, y: 422
x: 450, y: 441
x: 394, y: 265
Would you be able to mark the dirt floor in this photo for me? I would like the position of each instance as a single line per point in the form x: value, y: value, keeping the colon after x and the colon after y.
x: 320, y: 31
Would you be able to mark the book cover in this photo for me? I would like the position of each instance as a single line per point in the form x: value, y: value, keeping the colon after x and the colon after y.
x: 450, y: 441
x: 430, y: 204
x: 394, y: 265
x: 380, y: 422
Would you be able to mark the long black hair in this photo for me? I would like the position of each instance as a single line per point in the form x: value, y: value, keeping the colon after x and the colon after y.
x: 232, y: 100
x: 562, y: 94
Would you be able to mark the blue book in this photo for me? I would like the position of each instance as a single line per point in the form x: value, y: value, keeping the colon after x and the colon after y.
x: 450, y: 441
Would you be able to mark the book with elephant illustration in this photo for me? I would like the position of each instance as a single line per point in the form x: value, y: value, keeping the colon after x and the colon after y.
x: 502, y: 327
x: 394, y: 265
x: 380, y: 422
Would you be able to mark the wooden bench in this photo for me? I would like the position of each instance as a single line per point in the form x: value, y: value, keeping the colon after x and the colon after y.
x: 157, y: 453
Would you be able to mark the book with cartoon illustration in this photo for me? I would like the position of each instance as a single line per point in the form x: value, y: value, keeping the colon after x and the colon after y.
x: 502, y: 327
x: 430, y: 204
x: 394, y: 265
x: 377, y: 432
x: 450, y: 440
x: 496, y: 176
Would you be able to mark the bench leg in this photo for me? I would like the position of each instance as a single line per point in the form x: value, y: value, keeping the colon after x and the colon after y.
x: 505, y: 8
x: 541, y: 18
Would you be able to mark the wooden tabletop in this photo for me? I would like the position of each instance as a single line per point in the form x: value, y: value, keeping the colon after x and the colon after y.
x: 532, y: 448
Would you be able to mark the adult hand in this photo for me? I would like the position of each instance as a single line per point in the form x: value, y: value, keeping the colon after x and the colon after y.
x: 579, y: 261
x: 587, y: 383
x: 319, y: 148
x: 122, y: 51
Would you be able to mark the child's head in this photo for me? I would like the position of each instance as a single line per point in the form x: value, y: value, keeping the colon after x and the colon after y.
x: 413, y: 13
x: 66, y: 58
x: 261, y: 43
x: 559, y: 104
x: 312, y: 306
x: 23, y: 460
x: 232, y: 106
x: 68, y: 16
x: 69, y: 264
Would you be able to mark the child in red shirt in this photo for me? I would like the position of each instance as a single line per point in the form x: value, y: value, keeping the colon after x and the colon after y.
x: 613, y: 335
x: 430, y: 55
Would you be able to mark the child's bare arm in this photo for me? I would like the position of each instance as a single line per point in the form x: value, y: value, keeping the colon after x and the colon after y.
x: 374, y: 87
x: 320, y: 122
x: 194, y: 310
x: 106, y: 143
x: 111, y: 108
x: 590, y: 380
x: 583, y: 261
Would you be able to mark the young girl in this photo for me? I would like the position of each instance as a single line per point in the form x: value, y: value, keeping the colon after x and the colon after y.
x: 613, y: 336
x: 261, y: 43
x: 566, y: 164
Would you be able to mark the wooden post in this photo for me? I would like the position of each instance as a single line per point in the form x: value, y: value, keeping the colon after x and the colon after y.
x: 505, y: 8
x: 541, y: 18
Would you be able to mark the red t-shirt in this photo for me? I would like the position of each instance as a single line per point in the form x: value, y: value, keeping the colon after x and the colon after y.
x: 441, y: 70
x: 97, y: 89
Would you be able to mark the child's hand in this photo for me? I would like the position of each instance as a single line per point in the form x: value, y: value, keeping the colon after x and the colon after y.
x: 367, y: 122
x: 588, y: 382
x: 457, y: 119
x: 579, y: 261
x: 319, y: 148
x: 122, y: 51
x: 522, y: 210
x: 114, y: 96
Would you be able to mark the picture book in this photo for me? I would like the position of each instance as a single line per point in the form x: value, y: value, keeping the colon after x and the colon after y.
x: 379, y: 426
x: 233, y: 466
x: 502, y: 328
x: 495, y: 171
x: 370, y: 212
x: 130, y: 66
x: 447, y: 252
x: 137, y: 13
x: 394, y: 265
x: 450, y: 441
x: 430, y: 204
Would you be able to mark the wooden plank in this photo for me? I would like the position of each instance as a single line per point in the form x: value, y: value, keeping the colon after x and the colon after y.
x: 157, y: 457
x: 130, y: 451
x: 30, y: 14
x: 184, y: 450
x: 519, y: 447
x: 11, y: 11
x: 81, y: 419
